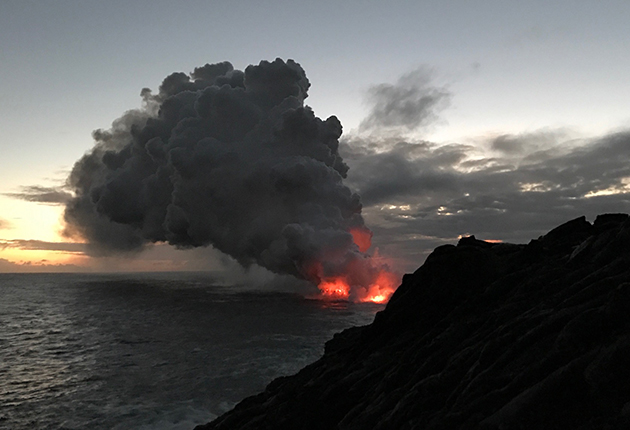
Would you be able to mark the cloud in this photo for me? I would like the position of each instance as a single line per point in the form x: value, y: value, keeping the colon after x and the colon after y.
x: 40, y: 194
x: 424, y: 193
x: 392, y: 171
x: 536, y: 142
x: 40, y: 245
x: 412, y: 102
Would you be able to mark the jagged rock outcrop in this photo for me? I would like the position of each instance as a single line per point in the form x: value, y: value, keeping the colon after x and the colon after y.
x: 482, y: 336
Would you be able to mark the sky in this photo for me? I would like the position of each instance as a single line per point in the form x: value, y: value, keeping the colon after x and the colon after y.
x: 501, y: 119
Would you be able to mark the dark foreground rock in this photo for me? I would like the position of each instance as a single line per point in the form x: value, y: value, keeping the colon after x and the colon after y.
x: 482, y: 336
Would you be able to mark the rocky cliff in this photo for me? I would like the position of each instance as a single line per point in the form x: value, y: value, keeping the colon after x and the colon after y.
x: 482, y: 336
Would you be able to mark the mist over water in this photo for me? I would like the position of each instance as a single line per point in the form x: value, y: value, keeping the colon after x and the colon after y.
x: 165, y: 351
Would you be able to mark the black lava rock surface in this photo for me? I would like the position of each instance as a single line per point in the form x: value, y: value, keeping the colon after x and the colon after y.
x: 482, y: 336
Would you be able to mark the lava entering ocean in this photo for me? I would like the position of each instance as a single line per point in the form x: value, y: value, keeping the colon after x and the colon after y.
x: 364, y: 280
x: 335, y: 288
x: 378, y: 291
x: 232, y: 159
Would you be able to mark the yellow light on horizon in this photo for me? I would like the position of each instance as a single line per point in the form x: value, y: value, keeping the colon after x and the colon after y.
x: 30, y: 220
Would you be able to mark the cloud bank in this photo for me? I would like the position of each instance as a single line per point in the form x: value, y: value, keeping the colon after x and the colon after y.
x: 418, y: 194
x: 41, y: 245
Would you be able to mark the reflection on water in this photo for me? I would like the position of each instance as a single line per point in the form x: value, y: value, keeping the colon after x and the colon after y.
x: 108, y: 352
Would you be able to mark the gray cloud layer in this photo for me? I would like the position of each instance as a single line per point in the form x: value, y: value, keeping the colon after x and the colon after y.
x: 41, y: 245
x: 225, y: 158
x: 40, y: 194
x: 419, y: 194
x: 421, y: 188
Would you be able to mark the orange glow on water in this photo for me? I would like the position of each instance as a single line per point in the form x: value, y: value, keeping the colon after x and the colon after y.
x: 362, y: 237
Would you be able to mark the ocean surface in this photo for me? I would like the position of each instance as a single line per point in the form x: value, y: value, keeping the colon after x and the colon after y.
x: 149, y: 351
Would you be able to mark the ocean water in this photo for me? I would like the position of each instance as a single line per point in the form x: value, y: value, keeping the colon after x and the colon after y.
x: 149, y: 351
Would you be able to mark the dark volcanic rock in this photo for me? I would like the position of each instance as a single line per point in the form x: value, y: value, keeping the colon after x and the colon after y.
x: 482, y: 336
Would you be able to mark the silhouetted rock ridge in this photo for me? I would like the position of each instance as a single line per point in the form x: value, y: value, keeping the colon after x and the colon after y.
x: 482, y: 336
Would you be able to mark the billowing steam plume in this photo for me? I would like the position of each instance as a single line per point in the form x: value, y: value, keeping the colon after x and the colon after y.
x: 234, y: 160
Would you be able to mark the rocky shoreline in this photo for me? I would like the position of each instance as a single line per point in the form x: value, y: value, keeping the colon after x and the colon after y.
x: 482, y: 336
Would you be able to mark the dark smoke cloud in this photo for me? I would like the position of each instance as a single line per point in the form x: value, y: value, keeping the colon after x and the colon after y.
x: 411, y: 103
x: 222, y: 157
x: 40, y: 194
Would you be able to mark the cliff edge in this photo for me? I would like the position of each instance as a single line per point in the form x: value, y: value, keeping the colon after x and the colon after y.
x: 482, y: 336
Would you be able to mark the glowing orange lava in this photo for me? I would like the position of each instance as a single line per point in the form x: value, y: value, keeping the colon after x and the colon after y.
x: 335, y: 289
x: 381, y: 289
x: 361, y: 278
x: 362, y: 237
